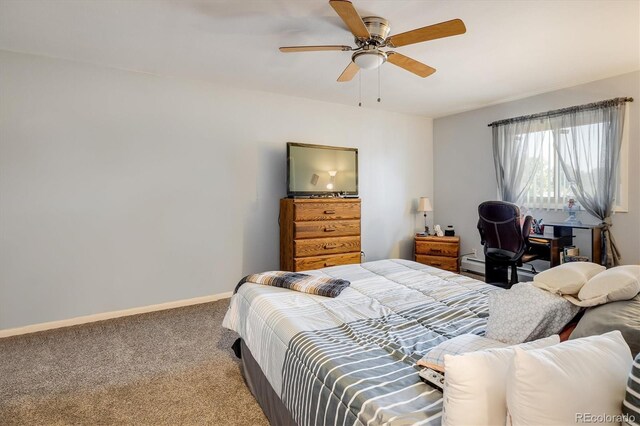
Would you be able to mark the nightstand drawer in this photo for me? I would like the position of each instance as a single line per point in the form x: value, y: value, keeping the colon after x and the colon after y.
x: 318, y: 262
x: 447, y: 263
x: 326, y: 211
x: 324, y: 229
x: 322, y: 246
x: 437, y: 248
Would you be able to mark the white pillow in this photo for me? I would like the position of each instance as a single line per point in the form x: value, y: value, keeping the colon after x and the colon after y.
x: 475, y: 385
x: 619, y: 283
x: 567, y: 278
x: 557, y: 384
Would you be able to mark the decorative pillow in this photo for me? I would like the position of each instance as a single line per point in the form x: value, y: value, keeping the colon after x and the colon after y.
x: 305, y: 283
x: 583, y: 377
x: 475, y: 385
x: 458, y: 345
x: 526, y: 313
x: 567, y: 278
x: 619, y: 283
x: 631, y: 403
x: 623, y: 316
x: 466, y: 343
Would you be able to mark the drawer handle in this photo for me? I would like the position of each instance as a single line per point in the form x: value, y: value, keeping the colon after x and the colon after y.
x: 436, y: 264
x: 326, y: 264
x: 330, y: 246
x: 329, y: 212
x: 434, y: 250
x: 329, y: 229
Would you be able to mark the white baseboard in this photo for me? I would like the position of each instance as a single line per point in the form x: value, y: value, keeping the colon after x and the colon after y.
x: 109, y: 315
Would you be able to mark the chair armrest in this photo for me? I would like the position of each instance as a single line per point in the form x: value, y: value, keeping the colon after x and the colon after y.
x: 526, y: 227
x: 481, y: 231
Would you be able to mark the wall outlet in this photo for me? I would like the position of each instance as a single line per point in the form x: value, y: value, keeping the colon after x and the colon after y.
x: 475, y: 252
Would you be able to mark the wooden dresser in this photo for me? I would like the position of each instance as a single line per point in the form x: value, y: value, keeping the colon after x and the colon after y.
x: 440, y: 252
x: 319, y: 232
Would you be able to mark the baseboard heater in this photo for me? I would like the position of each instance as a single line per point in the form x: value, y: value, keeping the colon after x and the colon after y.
x: 475, y: 265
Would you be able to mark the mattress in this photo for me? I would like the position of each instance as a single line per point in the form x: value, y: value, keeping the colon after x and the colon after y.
x: 351, y: 359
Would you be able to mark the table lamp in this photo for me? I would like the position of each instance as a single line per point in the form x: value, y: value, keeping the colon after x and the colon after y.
x: 424, y: 205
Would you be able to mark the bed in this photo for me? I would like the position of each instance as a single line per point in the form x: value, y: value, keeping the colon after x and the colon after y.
x: 312, y: 360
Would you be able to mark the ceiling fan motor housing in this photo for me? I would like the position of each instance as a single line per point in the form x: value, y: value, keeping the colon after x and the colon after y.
x: 369, y: 56
x: 378, y: 28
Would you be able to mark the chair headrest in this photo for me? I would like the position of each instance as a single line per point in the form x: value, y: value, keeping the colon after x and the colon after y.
x: 498, y: 211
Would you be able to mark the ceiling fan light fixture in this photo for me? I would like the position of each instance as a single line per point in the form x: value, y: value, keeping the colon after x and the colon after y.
x: 369, y: 59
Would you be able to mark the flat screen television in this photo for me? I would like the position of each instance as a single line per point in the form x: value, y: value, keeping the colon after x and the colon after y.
x: 318, y: 170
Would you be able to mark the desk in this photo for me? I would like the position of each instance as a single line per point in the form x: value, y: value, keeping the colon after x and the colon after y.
x: 565, y: 230
x: 548, y: 247
x: 545, y: 247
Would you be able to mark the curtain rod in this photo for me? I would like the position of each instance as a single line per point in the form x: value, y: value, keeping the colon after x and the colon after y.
x: 594, y: 105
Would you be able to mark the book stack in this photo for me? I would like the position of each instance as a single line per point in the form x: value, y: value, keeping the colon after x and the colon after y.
x: 572, y: 254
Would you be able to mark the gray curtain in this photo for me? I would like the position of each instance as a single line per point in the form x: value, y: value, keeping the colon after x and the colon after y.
x: 588, y: 143
x: 587, y: 138
x: 517, y: 150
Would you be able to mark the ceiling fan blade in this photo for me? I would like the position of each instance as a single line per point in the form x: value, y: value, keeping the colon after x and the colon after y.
x: 349, y: 72
x: 350, y: 16
x: 289, y: 49
x: 411, y: 65
x: 432, y: 32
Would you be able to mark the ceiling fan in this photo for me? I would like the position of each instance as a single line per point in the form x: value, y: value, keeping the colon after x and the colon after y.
x: 372, y: 34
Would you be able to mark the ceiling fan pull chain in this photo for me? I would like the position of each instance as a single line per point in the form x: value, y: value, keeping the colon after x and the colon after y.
x: 359, y: 89
x: 378, y: 84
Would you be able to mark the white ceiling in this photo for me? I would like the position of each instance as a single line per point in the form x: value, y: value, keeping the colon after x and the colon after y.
x: 512, y: 49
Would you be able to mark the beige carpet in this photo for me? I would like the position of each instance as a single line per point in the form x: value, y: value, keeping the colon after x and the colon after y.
x: 170, y: 367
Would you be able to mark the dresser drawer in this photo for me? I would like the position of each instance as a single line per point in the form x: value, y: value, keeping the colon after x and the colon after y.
x: 437, y: 248
x: 326, y: 211
x: 317, y: 262
x: 447, y: 263
x: 321, y: 246
x: 324, y: 229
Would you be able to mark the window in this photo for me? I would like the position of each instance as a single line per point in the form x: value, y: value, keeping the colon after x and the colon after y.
x: 549, y: 187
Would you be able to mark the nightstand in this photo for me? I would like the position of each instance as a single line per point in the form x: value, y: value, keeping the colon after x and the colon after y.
x: 439, y: 252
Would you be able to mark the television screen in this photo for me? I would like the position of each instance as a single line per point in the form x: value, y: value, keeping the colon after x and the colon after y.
x: 321, y: 170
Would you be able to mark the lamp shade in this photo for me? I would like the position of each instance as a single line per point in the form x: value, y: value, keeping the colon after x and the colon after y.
x: 369, y: 59
x: 424, y: 205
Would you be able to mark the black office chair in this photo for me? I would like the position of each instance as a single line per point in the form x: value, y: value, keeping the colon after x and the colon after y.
x: 505, y: 240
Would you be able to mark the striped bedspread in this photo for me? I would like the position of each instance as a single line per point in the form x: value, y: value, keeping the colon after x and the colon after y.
x: 351, y: 360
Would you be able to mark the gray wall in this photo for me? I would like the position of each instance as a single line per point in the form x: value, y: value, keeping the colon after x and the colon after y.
x: 464, y: 174
x: 121, y: 189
